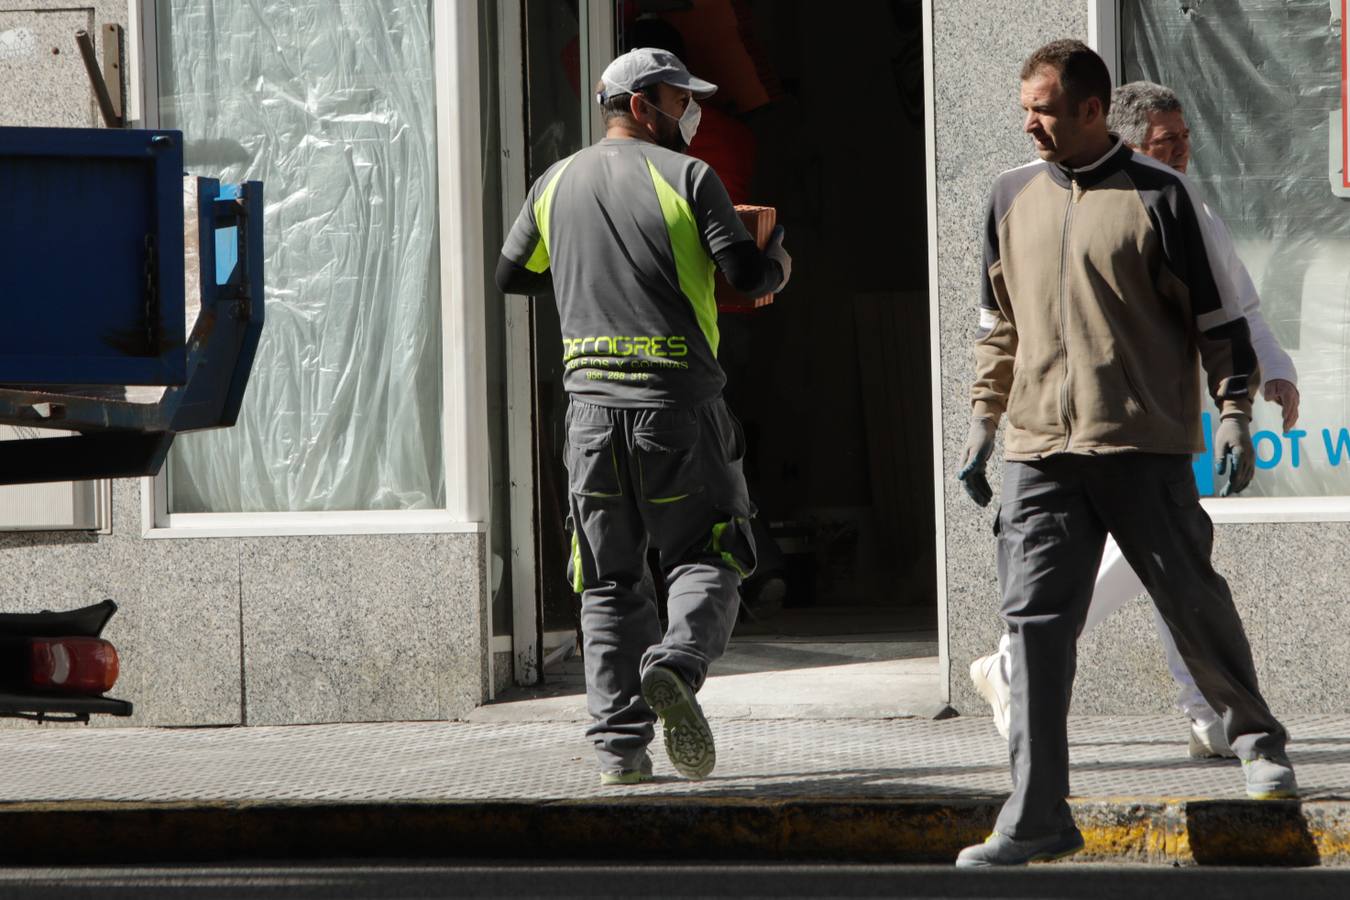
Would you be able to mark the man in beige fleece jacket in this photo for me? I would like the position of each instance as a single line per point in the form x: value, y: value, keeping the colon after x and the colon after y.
x: 1101, y: 297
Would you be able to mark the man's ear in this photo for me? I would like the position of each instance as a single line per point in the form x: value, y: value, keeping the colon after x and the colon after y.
x: 637, y: 108
x: 1090, y: 109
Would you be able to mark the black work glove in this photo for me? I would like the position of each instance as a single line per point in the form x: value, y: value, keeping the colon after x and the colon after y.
x: 979, y: 445
x: 774, y: 251
x: 1237, y: 457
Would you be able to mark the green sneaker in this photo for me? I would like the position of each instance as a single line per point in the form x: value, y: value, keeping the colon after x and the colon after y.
x: 689, y: 740
x: 630, y: 776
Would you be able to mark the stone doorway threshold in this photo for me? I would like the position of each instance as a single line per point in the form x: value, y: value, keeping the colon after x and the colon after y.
x: 820, y: 663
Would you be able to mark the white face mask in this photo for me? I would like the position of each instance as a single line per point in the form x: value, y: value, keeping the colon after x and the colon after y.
x: 693, y: 114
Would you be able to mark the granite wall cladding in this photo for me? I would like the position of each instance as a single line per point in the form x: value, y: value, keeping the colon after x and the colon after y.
x: 1288, y: 581
x: 978, y: 48
x: 362, y: 628
x: 42, y: 77
x: 177, y: 627
x: 270, y: 630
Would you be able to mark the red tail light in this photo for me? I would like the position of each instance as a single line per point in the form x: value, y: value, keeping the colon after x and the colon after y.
x: 75, y: 665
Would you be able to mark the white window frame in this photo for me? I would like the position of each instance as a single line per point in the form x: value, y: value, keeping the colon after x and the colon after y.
x: 1104, y: 37
x: 597, y: 47
x: 463, y: 289
x: 935, y: 354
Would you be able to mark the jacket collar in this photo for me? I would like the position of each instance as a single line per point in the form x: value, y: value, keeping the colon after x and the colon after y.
x: 1094, y: 172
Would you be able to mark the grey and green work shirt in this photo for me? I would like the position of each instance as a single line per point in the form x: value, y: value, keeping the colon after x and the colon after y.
x: 628, y: 231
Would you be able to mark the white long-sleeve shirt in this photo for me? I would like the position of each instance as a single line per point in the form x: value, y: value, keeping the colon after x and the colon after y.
x: 1275, y: 363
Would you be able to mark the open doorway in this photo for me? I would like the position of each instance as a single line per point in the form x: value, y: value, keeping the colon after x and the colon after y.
x: 819, y: 115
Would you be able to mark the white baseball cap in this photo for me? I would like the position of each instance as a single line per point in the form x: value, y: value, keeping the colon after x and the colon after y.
x: 646, y: 66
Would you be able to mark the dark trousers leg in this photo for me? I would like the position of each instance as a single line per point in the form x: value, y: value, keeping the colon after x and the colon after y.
x: 693, y: 499
x: 618, y: 619
x: 1150, y: 504
x: 1049, y: 547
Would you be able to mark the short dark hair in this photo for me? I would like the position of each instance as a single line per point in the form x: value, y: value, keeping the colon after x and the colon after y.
x: 1082, y: 73
x: 616, y: 106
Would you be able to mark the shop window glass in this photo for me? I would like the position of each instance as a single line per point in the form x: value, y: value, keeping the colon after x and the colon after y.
x: 1263, y: 86
x: 332, y: 104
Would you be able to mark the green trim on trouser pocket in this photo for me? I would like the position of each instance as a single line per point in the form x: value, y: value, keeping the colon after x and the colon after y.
x: 716, y: 544
x: 578, y: 583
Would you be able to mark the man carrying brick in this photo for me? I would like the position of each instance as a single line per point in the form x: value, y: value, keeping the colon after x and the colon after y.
x: 625, y: 234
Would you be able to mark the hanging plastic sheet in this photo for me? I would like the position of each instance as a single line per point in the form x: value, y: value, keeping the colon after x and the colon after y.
x: 332, y: 106
x: 1262, y: 84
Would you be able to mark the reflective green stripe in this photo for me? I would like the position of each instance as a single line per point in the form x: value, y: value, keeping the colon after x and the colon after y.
x: 539, y: 259
x: 668, y: 499
x: 716, y: 544
x: 577, y: 584
x: 693, y: 266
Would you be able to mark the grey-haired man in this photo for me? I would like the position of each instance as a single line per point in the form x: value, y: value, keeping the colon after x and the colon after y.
x: 625, y: 234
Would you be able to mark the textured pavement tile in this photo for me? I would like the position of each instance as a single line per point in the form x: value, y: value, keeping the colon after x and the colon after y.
x: 429, y: 761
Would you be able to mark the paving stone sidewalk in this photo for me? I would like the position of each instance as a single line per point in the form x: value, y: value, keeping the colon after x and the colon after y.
x: 960, y: 758
x: 886, y: 790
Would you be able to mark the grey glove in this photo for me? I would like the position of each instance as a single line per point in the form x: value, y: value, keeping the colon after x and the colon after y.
x: 1233, y: 447
x: 979, y: 445
x: 774, y: 251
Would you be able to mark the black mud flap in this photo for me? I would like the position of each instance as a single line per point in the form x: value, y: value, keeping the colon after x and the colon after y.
x: 56, y: 708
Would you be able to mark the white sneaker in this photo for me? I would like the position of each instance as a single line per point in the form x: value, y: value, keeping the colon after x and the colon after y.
x: 991, y: 680
x: 1209, y: 741
x: 1270, y: 779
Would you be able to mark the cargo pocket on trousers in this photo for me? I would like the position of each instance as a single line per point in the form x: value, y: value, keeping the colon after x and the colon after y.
x: 668, y: 466
x: 734, y: 541
x: 1184, y: 493
x: 1193, y: 519
x: 730, y: 434
x: 592, y: 465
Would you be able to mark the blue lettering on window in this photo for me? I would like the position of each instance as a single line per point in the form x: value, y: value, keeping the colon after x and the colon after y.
x: 1203, y: 463
x: 1342, y: 447
x: 1294, y: 448
x: 1276, y: 449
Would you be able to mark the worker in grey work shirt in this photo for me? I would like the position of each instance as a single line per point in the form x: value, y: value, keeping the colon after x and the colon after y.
x: 626, y: 235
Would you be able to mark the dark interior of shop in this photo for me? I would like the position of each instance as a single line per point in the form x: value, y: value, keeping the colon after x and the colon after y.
x: 820, y: 116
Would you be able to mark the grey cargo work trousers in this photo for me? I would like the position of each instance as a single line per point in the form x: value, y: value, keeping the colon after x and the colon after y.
x: 672, y: 477
x: 1051, y: 530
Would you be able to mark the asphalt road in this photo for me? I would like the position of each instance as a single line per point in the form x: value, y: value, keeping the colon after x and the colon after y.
x: 399, y: 881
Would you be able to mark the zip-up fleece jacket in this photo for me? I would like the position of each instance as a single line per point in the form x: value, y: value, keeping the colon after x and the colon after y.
x: 1104, y: 288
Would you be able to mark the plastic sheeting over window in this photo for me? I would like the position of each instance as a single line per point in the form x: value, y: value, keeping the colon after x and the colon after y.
x: 332, y: 105
x: 1261, y: 83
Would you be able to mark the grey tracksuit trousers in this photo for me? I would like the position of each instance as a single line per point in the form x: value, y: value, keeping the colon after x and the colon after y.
x: 671, y: 477
x: 1051, y: 528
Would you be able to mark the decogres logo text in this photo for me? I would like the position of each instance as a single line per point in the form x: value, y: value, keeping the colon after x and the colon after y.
x: 1274, y: 450
x: 641, y: 345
